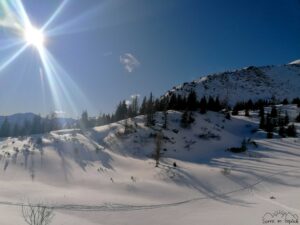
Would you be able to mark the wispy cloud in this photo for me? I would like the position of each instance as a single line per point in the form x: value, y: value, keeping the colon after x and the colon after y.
x: 129, y: 62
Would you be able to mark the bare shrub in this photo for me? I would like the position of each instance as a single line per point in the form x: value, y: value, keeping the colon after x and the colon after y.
x: 37, y: 214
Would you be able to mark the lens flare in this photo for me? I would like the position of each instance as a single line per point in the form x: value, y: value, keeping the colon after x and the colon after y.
x: 34, y: 37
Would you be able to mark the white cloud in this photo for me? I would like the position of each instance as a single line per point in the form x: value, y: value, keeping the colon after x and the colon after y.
x: 135, y: 96
x: 129, y: 62
x: 128, y: 102
x: 59, y: 112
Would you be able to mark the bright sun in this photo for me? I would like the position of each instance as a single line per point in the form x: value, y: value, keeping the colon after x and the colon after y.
x: 34, y: 37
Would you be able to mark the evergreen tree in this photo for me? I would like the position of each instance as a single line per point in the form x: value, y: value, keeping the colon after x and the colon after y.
x: 143, y: 106
x: 282, y: 131
x: 285, y: 101
x: 235, y: 110
x: 274, y: 113
x: 286, y: 119
x: 16, y: 130
x: 296, y: 101
x: 211, y: 103
x: 203, y: 105
x: 192, y: 101
x: 244, y: 145
x: 247, y: 112
x: 158, y: 144
x: 262, y: 122
x: 172, y: 102
x: 150, y: 112
x: 134, y: 106
x: 298, y: 118
x: 165, y: 124
x: 5, y: 128
x: 186, y: 119
x: 26, y: 129
x: 261, y: 110
x: 269, y: 126
x: 181, y: 103
x: 228, y: 116
x: 291, y: 131
x: 54, y: 125
x: 36, y: 125
x: 217, y: 106
x: 121, y: 111
x: 191, y: 118
x: 250, y: 105
x: 84, y: 121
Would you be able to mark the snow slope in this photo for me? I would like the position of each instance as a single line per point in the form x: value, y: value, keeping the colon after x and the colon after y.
x: 106, y: 176
x: 248, y: 83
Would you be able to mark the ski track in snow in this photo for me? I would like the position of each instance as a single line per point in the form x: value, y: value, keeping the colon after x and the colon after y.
x: 124, y: 207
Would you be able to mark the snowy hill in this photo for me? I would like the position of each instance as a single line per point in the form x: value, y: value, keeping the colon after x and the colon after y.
x: 248, y: 83
x: 107, y: 175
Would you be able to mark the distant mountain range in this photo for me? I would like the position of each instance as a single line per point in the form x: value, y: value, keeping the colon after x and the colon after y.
x: 248, y: 83
x: 20, y: 118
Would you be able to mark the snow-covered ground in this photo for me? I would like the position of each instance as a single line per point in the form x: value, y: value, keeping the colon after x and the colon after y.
x: 103, y: 176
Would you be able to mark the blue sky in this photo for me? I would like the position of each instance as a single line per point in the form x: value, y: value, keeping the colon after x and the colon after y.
x: 113, y: 49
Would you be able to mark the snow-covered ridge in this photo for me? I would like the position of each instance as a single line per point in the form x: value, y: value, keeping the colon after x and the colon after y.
x: 296, y: 62
x: 248, y: 83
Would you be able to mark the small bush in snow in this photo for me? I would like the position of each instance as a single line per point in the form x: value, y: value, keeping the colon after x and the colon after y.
x: 291, y: 131
x: 243, y: 148
x: 208, y: 135
x: 186, y: 119
x: 298, y: 118
x: 226, y: 171
x: 175, y: 131
x: 227, y: 116
x: 39, y: 141
x: 76, y: 151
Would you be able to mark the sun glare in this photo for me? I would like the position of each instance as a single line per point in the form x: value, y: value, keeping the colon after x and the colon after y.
x: 34, y: 37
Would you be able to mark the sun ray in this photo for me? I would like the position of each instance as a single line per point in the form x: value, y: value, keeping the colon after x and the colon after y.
x: 61, y: 83
x: 12, y: 58
x: 72, y: 26
x: 10, y: 44
x: 55, y: 14
x: 65, y: 93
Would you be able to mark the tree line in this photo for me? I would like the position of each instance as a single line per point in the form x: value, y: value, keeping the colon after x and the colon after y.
x: 36, y: 125
x: 148, y: 107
